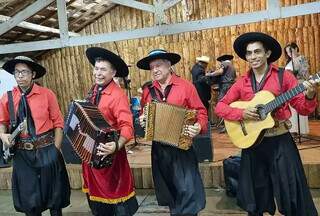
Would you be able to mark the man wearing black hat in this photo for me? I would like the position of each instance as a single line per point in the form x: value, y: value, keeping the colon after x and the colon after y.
x: 199, y: 80
x: 225, y: 76
x: 271, y: 170
x: 176, y: 176
x: 110, y: 190
x: 39, y: 178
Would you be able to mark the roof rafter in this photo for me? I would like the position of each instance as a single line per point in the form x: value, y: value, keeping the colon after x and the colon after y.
x: 135, y: 4
x: 36, y: 27
x: 24, y: 14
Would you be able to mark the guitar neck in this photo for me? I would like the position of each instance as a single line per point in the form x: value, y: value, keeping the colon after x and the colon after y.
x: 18, y: 130
x: 15, y: 133
x: 281, y: 99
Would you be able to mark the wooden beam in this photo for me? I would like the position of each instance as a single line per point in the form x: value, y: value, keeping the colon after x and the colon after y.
x: 22, y: 15
x: 196, y: 25
x: 274, y: 8
x: 135, y: 4
x: 36, y: 27
x: 63, y: 20
x: 48, y: 16
x: 170, y: 3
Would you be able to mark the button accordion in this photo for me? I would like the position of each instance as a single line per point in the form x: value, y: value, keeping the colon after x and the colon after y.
x: 166, y: 123
x: 85, y: 128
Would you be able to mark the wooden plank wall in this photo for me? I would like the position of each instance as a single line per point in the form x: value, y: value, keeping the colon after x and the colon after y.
x: 70, y: 73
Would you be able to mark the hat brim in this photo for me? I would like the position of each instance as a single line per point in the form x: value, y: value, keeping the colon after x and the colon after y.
x: 240, y: 45
x: 118, y: 63
x: 9, y: 66
x: 225, y: 58
x: 145, y: 62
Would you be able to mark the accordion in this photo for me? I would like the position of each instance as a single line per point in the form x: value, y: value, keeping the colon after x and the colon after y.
x: 165, y: 123
x: 85, y: 128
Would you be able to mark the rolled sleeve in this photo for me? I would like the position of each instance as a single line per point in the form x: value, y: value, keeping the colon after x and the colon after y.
x: 4, y: 113
x: 223, y: 108
x: 202, y: 115
x: 54, y: 111
x: 124, y: 118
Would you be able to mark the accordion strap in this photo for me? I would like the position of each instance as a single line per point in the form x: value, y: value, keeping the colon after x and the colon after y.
x: 90, y: 93
x: 154, y: 96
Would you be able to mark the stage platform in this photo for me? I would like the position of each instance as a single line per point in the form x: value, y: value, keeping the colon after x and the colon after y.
x: 212, y: 172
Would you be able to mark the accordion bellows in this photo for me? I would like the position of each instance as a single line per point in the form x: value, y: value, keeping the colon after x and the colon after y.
x: 85, y: 128
x: 165, y: 123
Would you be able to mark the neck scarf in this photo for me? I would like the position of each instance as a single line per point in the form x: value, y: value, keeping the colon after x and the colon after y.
x: 24, y: 112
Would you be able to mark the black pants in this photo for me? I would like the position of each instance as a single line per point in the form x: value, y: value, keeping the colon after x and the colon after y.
x: 255, y: 214
x: 53, y: 212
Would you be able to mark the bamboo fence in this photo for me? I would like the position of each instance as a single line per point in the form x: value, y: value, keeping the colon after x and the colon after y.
x: 70, y: 74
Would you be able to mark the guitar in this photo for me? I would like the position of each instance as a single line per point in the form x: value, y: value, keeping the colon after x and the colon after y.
x: 21, y: 127
x: 247, y: 133
x: 7, y: 151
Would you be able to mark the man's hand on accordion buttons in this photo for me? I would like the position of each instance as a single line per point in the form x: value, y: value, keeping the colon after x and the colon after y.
x: 105, y: 149
x: 192, y: 130
x: 142, y: 121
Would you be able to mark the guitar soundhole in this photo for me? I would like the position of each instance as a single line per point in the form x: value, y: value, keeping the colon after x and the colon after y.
x: 262, y: 111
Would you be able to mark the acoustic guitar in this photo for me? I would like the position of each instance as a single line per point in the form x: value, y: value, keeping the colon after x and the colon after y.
x: 247, y: 133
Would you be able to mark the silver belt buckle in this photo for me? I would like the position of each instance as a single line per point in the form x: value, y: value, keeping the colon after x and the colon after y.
x: 28, y: 146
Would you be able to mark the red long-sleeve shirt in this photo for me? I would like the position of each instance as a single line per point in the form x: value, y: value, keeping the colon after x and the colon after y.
x: 182, y: 93
x: 114, y: 106
x: 44, y: 108
x: 242, y: 90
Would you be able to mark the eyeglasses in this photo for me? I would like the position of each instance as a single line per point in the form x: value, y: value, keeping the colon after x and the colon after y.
x: 22, y: 72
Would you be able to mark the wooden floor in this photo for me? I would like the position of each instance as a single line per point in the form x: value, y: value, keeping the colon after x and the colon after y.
x: 211, y: 172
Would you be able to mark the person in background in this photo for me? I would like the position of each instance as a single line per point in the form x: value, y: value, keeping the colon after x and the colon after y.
x: 224, y: 76
x: 200, y: 80
x: 299, y: 66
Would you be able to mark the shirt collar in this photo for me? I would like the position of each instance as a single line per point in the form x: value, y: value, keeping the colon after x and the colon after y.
x: 36, y: 89
x: 173, y: 81
x: 109, y: 89
x: 272, y: 68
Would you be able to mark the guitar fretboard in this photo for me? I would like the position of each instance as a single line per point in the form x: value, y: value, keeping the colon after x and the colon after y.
x: 281, y: 99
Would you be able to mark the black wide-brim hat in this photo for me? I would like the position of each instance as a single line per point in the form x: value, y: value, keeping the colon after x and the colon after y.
x: 225, y: 58
x: 240, y: 45
x: 9, y: 66
x: 118, y: 63
x: 174, y: 58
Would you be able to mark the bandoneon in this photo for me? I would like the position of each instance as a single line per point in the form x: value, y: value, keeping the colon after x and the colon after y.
x: 166, y: 123
x: 85, y: 128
